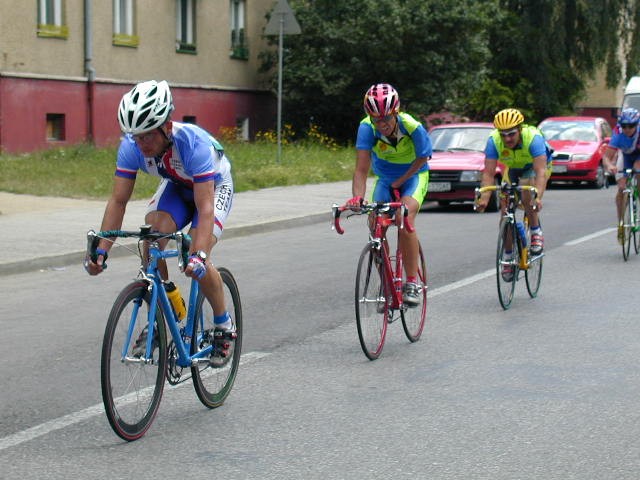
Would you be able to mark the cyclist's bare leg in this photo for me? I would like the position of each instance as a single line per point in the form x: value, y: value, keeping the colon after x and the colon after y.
x: 161, y: 222
x: 211, y: 283
x: 409, y: 245
x: 622, y: 184
x: 532, y: 214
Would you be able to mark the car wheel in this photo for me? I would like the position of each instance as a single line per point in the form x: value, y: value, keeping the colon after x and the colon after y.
x: 494, y: 201
x: 600, y: 177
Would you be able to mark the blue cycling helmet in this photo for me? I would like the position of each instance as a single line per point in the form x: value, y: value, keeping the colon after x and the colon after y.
x: 629, y: 115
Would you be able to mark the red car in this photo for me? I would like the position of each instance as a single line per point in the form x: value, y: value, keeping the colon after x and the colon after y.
x: 576, y: 142
x: 457, y: 163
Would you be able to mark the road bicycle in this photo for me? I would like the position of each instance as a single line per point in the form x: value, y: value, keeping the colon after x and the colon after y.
x: 379, y: 278
x: 514, y: 238
x: 136, y: 357
x: 630, y: 222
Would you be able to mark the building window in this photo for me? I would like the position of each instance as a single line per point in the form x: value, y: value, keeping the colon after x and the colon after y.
x: 55, y: 127
x: 186, y: 26
x: 239, y: 47
x: 51, y: 21
x: 189, y: 119
x: 124, y: 23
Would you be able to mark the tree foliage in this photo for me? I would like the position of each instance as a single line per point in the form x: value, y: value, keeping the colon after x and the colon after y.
x: 348, y: 45
x: 472, y: 57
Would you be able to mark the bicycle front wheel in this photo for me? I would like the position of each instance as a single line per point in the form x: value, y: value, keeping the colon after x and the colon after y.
x: 626, y: 225
x: 371, y: 301
x: 132, y: 385
x: 413, y: 318
x: 507, y: 263
x: 213, y: 384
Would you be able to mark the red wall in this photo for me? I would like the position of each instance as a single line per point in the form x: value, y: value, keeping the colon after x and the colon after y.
x: 25, y: 103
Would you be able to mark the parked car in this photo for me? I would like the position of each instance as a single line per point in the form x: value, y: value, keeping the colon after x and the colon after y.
x: 457, y: 163
x: 576, y: 142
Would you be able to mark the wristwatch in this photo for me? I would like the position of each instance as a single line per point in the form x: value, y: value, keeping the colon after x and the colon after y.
x: 201, y: 255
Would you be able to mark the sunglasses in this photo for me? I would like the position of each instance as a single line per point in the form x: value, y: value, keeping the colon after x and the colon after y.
x: 509, y: 133
x: 385, y: 119
x: 628, y: 125
x: 144, y: 137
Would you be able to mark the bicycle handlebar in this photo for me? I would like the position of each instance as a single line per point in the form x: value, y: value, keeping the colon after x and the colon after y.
x: 375, y: 207
x: 504, y: 188
x: 183, y: 240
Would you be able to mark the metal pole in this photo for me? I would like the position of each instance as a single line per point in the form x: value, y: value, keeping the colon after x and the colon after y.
x: 280, y: 42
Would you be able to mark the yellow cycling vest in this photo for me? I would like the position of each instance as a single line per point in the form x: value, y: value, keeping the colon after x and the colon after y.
x: 519, y: 157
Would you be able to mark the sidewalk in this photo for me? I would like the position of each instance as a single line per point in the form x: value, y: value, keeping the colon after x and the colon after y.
x: 49, y: 232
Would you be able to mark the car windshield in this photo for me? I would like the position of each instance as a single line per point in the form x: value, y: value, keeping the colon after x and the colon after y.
x: 463, y: 138
x: 569, y: 130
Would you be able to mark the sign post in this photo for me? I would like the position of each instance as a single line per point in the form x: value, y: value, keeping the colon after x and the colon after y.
x: 282, y: 22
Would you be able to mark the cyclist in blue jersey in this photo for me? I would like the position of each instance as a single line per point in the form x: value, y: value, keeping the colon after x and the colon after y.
x: 623, y: 139
x: 196, y: 189
x: 397, y: 148
x: 527, y: 159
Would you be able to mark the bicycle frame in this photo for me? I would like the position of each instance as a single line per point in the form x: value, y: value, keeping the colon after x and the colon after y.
x: 392, y: 274
x: 150, y: 274
x: 181, y: 339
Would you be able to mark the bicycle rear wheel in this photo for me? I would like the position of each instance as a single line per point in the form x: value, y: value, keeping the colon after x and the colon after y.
x: 372, y: 309
x: 626, y: 222
x: 533, y: 273
x: 507, y: 259
x: 635, y: 229
x: 132, y: 386
x: 413, y: 318
x: 213, y: 385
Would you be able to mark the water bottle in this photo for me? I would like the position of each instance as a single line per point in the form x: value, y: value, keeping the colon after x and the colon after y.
x: 177, y: 302
x: 521, y: 233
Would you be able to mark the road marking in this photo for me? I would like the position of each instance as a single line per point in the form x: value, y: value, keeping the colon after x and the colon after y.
x: 77, y: 417
x: 590, y: 237
x: 462, y: 283
x: 73, y: 418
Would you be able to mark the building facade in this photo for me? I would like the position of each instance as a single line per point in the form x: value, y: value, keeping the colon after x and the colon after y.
x: 65, y: 64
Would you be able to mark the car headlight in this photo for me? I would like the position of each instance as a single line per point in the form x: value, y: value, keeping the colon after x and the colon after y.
x: 470, y: 176
x: 580, y: 157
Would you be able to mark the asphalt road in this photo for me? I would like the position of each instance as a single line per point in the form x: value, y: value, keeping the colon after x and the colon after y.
x: 547, y: 389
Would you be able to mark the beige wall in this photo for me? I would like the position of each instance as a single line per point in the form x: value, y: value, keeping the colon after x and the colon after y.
x: 23, y: 52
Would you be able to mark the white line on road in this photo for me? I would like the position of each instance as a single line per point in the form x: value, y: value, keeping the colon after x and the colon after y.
x: 77, y: 417
x: 73, y: 418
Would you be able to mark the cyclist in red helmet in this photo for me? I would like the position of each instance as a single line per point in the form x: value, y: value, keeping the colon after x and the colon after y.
x: 397, y: 147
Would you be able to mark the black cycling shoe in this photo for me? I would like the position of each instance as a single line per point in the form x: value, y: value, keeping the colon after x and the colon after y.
x: 224, y: 341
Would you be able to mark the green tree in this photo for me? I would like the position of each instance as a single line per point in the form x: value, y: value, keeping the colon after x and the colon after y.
x: 433, y: 51
x: 545, y: 52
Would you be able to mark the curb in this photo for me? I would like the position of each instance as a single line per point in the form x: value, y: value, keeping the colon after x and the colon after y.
x: 62, y: 260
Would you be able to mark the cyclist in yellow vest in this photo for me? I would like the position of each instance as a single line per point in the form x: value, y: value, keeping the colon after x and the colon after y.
x: 397, y: 148
x: 527, y: 158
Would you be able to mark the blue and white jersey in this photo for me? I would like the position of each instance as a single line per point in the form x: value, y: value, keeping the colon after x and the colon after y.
x: 628, y: 145
x: 195, y: 156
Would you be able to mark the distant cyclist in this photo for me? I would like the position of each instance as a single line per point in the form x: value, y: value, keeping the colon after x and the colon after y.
x: 527, y: 158
x: 397, y: 147
x: 196, y: 189
x: 623, y: 139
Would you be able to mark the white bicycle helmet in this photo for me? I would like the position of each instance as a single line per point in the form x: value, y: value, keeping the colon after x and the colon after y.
x: 145, y: 107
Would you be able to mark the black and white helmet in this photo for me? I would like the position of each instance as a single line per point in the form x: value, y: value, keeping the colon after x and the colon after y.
x: 146, y: 107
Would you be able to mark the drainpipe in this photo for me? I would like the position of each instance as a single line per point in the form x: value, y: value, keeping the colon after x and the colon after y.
x: 88, y: 68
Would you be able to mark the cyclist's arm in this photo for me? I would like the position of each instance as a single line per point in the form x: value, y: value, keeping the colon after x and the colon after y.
x: 116, y: 206
x: 540, y: 167
x: 363, y: 164
x: 608, y: 159
x: 490, y: 165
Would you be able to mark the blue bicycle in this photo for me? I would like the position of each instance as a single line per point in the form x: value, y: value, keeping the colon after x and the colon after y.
x: 136, y: 357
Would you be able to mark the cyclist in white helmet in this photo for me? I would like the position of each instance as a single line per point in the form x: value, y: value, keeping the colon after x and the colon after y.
x: 196, y: 189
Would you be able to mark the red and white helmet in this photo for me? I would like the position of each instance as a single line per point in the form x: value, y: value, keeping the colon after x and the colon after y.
x: 381, y: 100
